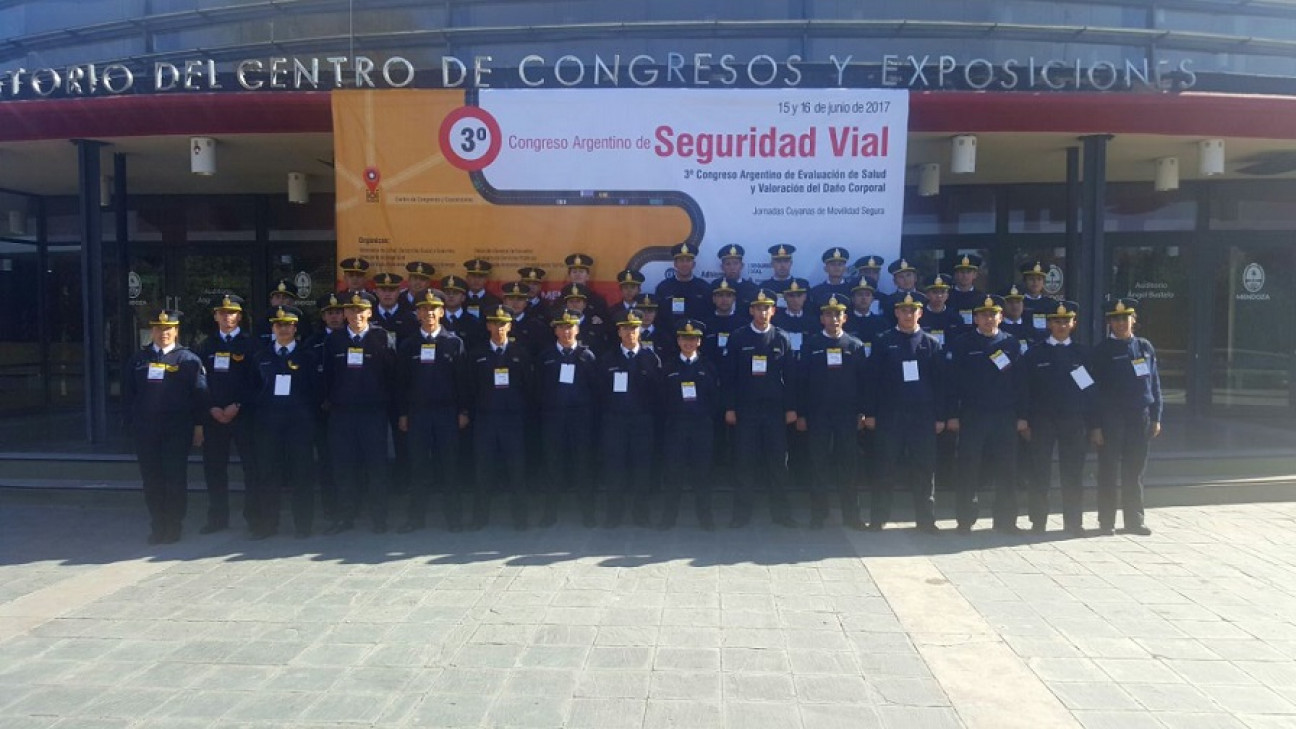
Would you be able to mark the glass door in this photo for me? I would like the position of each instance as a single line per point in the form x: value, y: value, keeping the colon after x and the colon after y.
x: 205, y: 274
x: 1254, y: 321
x: 1159, y: 275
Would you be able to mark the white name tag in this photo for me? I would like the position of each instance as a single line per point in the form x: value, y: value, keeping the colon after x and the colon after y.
x: 781, y: 303
x: 1082, y: 378
x: 1024, y: 345
x: 474, y: 310
x: 677, y: 306
x: 1141, y: 368
x: 939, y: 334
x: 688, y: 391
x: 427, y: 353
x: 868, y: 349
x: 221, y: 362
x: 760, y: 365
x: 1000, y: 359
x: 795, y: 338
x: 567, y: 373
x: 967, y: 315
x: 834, y: 357
x: 283, y: 385
x: 910, y: 370
x: 647, y: 345
x: 355, y: 357
x: 157, y: 371
x: 1040, y: 321
x: 391, y: 340
x: 501, y: 378
x: 620, y: 382
x: 722, y: 340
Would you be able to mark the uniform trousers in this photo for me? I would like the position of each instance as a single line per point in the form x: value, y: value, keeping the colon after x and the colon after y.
x: 499, y: 454
x: 689, y: 443
x: 563, y: 439
x: 760, y: 448
x: 627, y: 462
x: 284, y: 462
x: 1068, y: 434
x: 433, y: 438
x: 905, y: 442
x: 358, y: 439
x: 834, y: 452
x: 987, y: 454
x: 324, y: 468
x: 1121, y: 461
x: 217, y: 439
x: 163, y: 453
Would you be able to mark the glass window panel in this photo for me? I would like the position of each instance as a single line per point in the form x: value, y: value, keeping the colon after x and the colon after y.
x: 1270, y: 205
x: 1254, y: 299
x: 1136, y: 206
x: 955, y: 210
x: 219, y: 217
x: 1159, y: 277
x: 1037, y: 209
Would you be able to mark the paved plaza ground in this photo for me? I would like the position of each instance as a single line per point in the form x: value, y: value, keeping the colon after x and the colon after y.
x: 1191, y: 628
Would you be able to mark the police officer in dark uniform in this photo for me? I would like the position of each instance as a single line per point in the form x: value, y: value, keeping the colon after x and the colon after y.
x: 683, y: 295
x: 533, y: 278
x: 781, y: 270
x: 939, y: 319
x: 398, y: 321
x: 529, y: 330
x: 164, y: 402
x: 793, y: 318
x: 1037, y: 303
x: 332, y: 319
x: 905, y: 278
x: 355, y: 274
x: 358, y: 383
x: 287, y: 400
x: 863, y: 320
x: 831, y: 412
x: 630, y: 283
x: 282, y: 293
x: 579, y: 270
x: 1129, y: 416
x: 905, y: 404
x: 731, y: 265
x: 477, y: 300
x: 690, y: 400
x: 1061, y: 392
x: 501, y: 391
x: 964, y: 296
x: 432, y: 382
x: 724, y: 319
x: 594, y: 331
x: 469, y: 328
x: 868, y: 269
x: 834, y: 265
x: 987, y: 408
x: 418, y: 278
x: 759, y: 387
x: 1015, y: 320
x: 629, y: 384
x: 652, y: 335
x: 567, y: 381
x: 231, y: 381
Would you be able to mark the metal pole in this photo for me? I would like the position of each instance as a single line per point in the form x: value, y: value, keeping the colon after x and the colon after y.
x: 92, y: 290
x: 1092, y: 255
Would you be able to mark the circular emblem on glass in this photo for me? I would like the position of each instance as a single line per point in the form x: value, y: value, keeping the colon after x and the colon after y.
x: 133, y: 285
x: 1053, y: 280
x: 303, y: 283
x: 1253, y: 277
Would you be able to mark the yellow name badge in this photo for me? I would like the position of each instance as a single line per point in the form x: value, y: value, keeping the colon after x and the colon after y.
x: 760, y: 364
x: 688, y: 390
x: 1040, y: 321
x: 355, y: 357
x: 156, y: 371
x: 501, y: 378
x: 1141, y: 368
x: 677, y: 305
x: 1000, y: 359
x: 427, y: 353
x: 834, y: 357
x: 221, y: 362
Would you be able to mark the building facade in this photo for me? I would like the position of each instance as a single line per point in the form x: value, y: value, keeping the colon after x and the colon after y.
x: 1072, y: 105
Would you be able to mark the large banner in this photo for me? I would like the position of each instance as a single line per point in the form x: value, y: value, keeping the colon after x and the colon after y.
x: 526, y: 177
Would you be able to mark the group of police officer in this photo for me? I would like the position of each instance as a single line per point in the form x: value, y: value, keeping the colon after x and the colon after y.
x: 537, y: 392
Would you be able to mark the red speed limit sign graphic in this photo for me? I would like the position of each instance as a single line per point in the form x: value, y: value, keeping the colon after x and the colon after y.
x: 470, y: 138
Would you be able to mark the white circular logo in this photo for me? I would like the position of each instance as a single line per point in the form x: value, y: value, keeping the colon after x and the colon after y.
x: 1054, y: 279
x: 303, y: 283
x: 133, y: 285
x: 1253, y: 277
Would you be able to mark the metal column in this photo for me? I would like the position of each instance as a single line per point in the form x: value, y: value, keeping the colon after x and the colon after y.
x: 92, y: 290
x: 1090, y: 268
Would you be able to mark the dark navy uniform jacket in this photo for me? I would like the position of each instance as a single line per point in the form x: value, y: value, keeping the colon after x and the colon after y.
x: 819, y: 293
x: 581, y: 392
x: 305, y: 390
x: 1051, y: 388
x: 1025, y: 332
x: 985, y: 375
x: 659, y: 340
x: 480, y: 304
x: 866, y: 328
x: 888, y: 391
x: 694, y: 295
x: 798, y: 328
x: 946, y: 325
x: 359, y: 375
x: 176, y: 395
x: 963, y: 302
x: 432, y: 372
x: 502, y: 382
x: 468, y: 328
x: 642, y: 376
x: 402, y: 322
x: 1127, y: 376
x: 719, y: 329
x: 531, y: 332
x: 743, y: 387
x: 231, y: 376
x: 831, y: 378
x: 702, y: 374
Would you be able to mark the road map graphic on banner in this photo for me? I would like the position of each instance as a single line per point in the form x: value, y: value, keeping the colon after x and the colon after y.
x: 526, y: 177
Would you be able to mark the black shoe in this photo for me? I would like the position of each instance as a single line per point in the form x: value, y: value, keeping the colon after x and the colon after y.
x: 338, y: 527
x: 1105, y: 531
x: 874, y: 526
x: 409, y: 526
x: 855, y: 524
x: 1011, y: 530
x: 170, y: 536
x: 212, y: 527
x: 816, y: 522
x: 930, y: 529
x: 963, y: 529
x: 1139, y: 531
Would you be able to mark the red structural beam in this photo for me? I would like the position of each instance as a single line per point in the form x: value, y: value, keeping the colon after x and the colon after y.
x: 1187, y: 114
